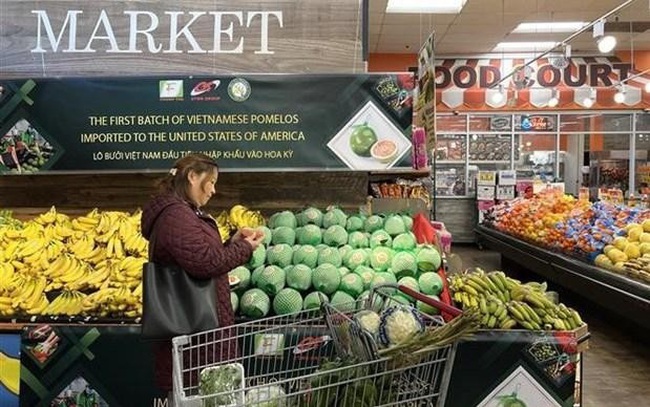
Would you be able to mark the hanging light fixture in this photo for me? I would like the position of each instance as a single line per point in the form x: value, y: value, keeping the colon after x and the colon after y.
x: 647, y: 87
x: 619, y: 97
x: 499, y: 96
x: 555, y: 98
x: 589, y: 100
x: 606, y: 43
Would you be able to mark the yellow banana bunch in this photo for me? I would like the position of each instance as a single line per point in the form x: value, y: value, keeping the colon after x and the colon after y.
x: 6, y: 276
x: 506, y: 303
x: 30, y: 247
x: 47, y: 218
x: 67, y: 303
x: 240, y: 216
x: 136, y: 244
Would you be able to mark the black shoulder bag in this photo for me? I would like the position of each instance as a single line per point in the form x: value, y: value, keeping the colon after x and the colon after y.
x: 173, y: 302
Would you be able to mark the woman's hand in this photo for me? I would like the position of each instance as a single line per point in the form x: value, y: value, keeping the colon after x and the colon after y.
x: 252, y: 236
x: 255, y: 240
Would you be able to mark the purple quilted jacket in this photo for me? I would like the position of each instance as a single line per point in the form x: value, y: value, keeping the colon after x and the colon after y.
x: 187, y: 238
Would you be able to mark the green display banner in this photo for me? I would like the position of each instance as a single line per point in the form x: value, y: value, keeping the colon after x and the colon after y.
x: 272, y: 122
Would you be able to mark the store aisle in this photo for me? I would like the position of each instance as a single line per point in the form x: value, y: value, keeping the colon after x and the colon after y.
x: 617, y: 364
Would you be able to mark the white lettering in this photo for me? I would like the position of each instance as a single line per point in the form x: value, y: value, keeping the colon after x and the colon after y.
x: 174, y: 33
x: 110, y: 36
x: 264, y: 29
x: 134, y: 31
x: 218, y: 31
x: 44, y: 20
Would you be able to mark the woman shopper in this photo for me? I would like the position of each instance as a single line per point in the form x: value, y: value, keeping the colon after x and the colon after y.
x: 187, y: 237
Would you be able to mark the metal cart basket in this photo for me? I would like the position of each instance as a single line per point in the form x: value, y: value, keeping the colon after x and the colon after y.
x: 319, y: 357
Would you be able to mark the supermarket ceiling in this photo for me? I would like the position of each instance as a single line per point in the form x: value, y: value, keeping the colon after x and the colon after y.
x: 482, y: 24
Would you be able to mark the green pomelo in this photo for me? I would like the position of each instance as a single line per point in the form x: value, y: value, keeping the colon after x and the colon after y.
x: 287, y: 301
x: 408, y: 222
x: 244, y: 276
x: 299, y: 277
x: 380, y: 238
x: 234, y: 302
x: 428, y: 259
x: 363, y: 302
x: 313, y: 300
x: 255, y: 275
x: 307, y: 255
x: 343, y: 302
x: 330, y: 255
x: 284, y: 218
x: 268, y: 235
x: 426, y: 308
x: 283, y: 235
x: 358, y: 240
x: 271, y: 280
x: 397, y: 300
x: 381, y: 258
x: 343, y: 270
x: 383, y: 278
x: 257, y: 258
x: 326, y: 278
x: 335, y: 236
x: 394, y: 225
x: 354, y: 223
x: 430, y: 283
x: 309, y: 234
x: 404, y: 264
x: 367, y: 274
x: 335, y: 216
x: 255, y: 303
x: 352, y: 283
x: 404, y: 242
x: 373, y: 223
x: 344, y: 250
x: 411, y: 283
x: 310, y: 216
x: 279, y: 255
x: 356, y: 258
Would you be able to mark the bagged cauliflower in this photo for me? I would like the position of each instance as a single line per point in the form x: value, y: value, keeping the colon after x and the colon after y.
x: 398, y: 324
x: 369, y: 321
x: 267, y: 396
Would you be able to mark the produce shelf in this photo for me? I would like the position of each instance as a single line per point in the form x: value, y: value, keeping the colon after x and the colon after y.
x: 621, y: 295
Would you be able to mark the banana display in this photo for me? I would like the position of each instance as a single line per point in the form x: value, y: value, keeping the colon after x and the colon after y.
x: 87, y: 266
x: 506, y: 303
x: 236, y: 218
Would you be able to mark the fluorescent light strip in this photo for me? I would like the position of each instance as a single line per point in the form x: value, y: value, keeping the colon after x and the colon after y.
x: 549, y: 27
x: 524, y: 46
x: 425, y: 6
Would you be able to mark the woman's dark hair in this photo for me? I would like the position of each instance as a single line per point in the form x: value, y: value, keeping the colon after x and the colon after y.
x: 177, y: 179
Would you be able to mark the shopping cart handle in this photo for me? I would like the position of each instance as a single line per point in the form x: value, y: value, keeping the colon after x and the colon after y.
x: 453, y: 311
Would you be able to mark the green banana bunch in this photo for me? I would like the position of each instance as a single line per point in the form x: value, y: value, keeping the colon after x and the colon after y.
x: 506, y: 303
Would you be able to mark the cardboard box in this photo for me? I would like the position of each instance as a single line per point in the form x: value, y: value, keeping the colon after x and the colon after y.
x: 485, y: 193
x: 507, y: 177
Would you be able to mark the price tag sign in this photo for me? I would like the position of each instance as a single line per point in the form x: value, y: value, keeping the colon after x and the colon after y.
x: 487, y: 177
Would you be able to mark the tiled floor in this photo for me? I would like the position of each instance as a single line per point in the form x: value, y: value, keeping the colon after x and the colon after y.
x: 617, y: 364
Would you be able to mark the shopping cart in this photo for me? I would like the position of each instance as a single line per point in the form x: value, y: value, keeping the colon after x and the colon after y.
x: 314, y: 358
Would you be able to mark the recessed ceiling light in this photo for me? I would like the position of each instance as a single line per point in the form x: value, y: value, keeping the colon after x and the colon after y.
x: 525, y: 46
x: 425, y: 6
x: 549, y: 27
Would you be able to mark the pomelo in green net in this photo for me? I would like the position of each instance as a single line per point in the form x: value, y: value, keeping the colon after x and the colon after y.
x: 335, y: 216
x: 404, y: 264
x: 326, y: 278
x: 394, y: 225
x: 330, y: 255
x: 307, y: 255
x: 284, y: 218
x: 310, y: 215
x: 354, y: 223
x: 279, y: 255
x: 381, y: 258
x: 373, y: 223
x: 380, y: 238
x: 358, y: 240
x: 299, y: 277
x: 428, y: 258
x: 287, y: 301
x: 313, y: 300
x: 271, y: 280
x: 283, y: 234
x: 335, y: 236
x: 255, y: 303
x: 309, y: 234
x: 430, y: 283
x: 404, y: 242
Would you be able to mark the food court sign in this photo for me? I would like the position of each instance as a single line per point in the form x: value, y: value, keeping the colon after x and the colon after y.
x: 53, y: 38
x: 472, y: 84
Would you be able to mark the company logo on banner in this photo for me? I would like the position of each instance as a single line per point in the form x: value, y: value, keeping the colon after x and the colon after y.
x: 470, y: 84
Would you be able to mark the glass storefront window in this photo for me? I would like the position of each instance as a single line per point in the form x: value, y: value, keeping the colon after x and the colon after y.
x: 451, y: 147
x: 596, y: 122
x: 609, y: 161
x: 536, y: 157
x: 490, y: 148
x: 451, y: 123
x: 450, y: 180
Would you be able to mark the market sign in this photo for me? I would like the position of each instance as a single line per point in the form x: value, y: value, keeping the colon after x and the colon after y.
x: 470, y: 84
x: 265, y: 122
x: 53, y: 38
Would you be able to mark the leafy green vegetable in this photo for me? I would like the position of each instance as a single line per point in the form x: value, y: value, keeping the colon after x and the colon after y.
x: 223, y: 381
